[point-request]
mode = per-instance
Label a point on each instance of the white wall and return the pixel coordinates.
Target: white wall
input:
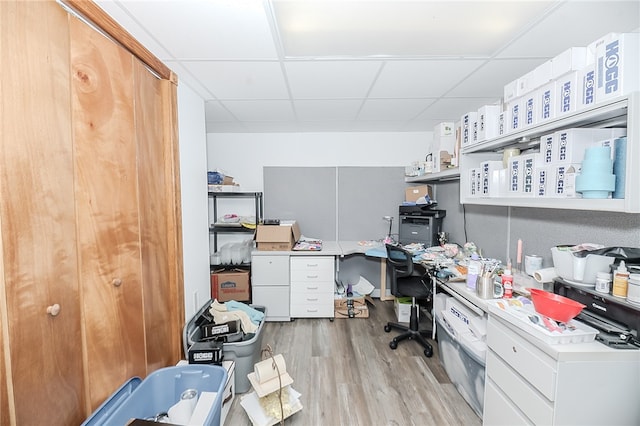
(242, 155)
(193, 183)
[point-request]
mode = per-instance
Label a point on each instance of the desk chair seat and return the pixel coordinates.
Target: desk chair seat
(404, 283)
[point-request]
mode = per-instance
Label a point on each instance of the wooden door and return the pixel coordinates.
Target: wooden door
(107, 210)
(43, 352)
(155, 179)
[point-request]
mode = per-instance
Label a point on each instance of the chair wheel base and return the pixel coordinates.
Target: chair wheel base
(393, 344)
(387, 328)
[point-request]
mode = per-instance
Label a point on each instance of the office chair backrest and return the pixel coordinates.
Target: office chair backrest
(400, 261)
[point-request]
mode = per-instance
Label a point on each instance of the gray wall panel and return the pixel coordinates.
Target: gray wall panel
(306, 194)
(541, 229)
(365, 196)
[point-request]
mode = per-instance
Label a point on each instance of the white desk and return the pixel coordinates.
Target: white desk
(371, 250)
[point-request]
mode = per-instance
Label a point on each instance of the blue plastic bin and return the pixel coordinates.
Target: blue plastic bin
(158, 392)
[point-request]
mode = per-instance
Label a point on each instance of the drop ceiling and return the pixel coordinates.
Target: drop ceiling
(361, 65)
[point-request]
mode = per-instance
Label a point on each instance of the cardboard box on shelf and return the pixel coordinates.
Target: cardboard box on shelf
(360, 308)
(412, 193)
(277, 237)
(229, 285)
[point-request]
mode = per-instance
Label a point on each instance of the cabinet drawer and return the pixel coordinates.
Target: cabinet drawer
(535, 366)
(312, 310)
(521, 393)
(312, 263)
(269, 270)
(319, 275)
(311, 297)
(324, 287)
(499, 410)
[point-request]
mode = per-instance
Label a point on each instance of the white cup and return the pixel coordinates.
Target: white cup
(532, 263)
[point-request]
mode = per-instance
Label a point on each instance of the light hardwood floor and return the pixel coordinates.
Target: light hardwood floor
(348, 375)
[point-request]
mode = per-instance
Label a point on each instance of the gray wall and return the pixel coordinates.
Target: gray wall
(496, 230)
(348, 203)
(335, 203)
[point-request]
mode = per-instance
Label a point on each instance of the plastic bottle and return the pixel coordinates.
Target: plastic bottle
(621, 281)
(473, 272)
(507, 284)
(603, 282)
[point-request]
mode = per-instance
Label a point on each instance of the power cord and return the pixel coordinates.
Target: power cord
(274, 365)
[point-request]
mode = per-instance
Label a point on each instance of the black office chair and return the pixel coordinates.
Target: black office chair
(405, 284)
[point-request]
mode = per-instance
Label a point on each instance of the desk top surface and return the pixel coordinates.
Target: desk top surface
(333, 248)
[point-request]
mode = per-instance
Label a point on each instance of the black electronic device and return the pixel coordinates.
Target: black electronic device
(420, 224)
(617, 321)
(271, 222)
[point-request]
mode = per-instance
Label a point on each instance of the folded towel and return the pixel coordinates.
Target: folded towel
(255, 315)
(221, 315)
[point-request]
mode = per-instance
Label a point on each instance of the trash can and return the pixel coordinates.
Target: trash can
(245, 353)
(145, 399)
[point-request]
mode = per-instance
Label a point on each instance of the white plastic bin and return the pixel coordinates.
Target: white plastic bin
(463, 357)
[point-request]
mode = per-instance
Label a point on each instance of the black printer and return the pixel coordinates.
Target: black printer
(420, 223)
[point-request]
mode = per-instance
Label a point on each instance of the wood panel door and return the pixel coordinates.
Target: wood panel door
(107, 211)
(43, 376)
(155, 179)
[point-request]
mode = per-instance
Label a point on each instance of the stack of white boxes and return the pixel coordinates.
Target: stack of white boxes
(578, 78)
(561, 158)
(444, 143)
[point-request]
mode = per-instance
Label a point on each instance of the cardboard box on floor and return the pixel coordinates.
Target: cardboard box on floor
(230, 285)
(412, 193)
(361, 310)
(277, 237)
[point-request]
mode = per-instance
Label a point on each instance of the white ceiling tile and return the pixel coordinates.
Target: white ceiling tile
(318, 110)
(392, 109)
(198, 29)
(241, 80)
(331, 79)
(215, 112)
(260, 110)
(117, 10)
(575, 23)
(361, 65)
(420, 79)
(393, 28)
(451, 109)
(491, 78)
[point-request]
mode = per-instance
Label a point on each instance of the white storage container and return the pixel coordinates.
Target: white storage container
(462, 355)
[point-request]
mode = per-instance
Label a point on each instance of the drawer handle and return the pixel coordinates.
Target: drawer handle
(312, 300)
(513, 348)
(312, 310)
(312, 276)
(312, 265)
(312, 288)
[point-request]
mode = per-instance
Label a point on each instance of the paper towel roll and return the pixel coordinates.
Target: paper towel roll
(545, 275)
(265, 371)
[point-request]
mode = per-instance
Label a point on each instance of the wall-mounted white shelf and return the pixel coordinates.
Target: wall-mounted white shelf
(619, 112)
(449, 174)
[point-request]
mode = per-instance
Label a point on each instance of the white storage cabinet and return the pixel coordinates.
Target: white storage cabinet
(312, 286)
(529, 382)
(270, 285)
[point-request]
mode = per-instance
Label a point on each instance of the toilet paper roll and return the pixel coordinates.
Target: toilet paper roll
(545, 275)
(180, 413)
(265, 370)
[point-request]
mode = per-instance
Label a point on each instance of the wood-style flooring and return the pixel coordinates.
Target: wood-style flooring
(348, 375)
